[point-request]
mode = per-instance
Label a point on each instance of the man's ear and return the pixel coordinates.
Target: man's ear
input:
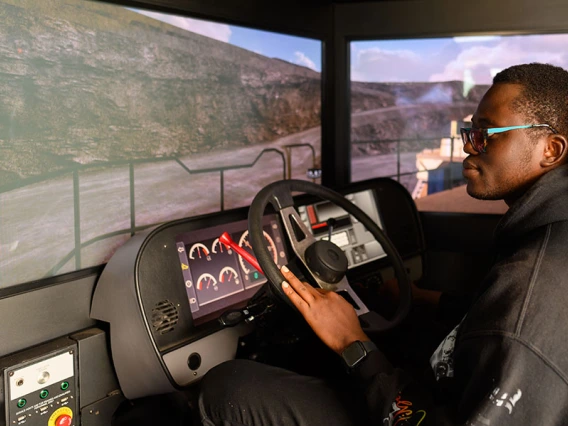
(555, 151)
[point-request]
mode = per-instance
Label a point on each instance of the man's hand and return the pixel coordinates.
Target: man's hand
(331, 317)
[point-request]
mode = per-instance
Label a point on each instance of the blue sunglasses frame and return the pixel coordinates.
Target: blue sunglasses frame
(481, 146)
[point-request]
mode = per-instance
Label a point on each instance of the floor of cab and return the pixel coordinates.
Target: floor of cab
(175, 409)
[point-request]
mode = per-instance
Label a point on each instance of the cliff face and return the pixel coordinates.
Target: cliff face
(84, 82)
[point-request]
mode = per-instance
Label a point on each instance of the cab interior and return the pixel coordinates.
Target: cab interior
(123, 336)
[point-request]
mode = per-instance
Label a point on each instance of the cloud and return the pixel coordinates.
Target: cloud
(472, 59)
(475, 39)
(221, 32)
(376, 64)
(301, 59)
(482, 62)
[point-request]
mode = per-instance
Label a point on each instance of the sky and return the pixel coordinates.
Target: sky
(474, 60)
(297, 50)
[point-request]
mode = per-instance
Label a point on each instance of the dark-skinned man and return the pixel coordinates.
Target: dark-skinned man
(505, 363)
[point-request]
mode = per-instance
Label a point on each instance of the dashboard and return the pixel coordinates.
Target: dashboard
(165, 290)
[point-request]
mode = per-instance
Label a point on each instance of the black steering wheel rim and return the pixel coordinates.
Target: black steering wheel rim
(279, 195)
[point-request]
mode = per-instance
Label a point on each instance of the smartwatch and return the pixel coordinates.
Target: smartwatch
(356, 352)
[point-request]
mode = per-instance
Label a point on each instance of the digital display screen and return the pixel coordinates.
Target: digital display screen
(215, 276)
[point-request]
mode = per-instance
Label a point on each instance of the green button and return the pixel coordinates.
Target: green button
(21, 402)
(255, 275)
(64, 385)
(44, 394)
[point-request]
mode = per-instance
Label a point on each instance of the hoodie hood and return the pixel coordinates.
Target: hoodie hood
(544, 203)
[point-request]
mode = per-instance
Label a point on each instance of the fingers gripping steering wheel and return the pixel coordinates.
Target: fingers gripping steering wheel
(325, 262)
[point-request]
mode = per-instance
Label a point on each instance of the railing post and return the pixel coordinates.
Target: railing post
(451, 177)
(77, 219)
(398, 160)
(132, 201)
(288, 151)
(222, 190)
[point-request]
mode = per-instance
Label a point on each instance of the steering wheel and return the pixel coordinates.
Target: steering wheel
(323, 260)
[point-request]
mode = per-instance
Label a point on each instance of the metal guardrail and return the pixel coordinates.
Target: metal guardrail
(288, 149)
(75, 170)
(398, 174)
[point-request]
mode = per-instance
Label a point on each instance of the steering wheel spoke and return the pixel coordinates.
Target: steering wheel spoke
(298, 233)
(344, 289)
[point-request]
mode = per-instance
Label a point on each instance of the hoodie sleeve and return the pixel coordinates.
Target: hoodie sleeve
(498, 381)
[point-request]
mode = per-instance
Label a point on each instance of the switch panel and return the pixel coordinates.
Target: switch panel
(40, 385)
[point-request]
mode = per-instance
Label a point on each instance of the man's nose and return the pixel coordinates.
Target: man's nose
(468, 149)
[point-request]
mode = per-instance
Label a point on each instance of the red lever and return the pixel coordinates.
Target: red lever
(226, 239)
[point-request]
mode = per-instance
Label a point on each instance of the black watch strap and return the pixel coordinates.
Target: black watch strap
(356, 352)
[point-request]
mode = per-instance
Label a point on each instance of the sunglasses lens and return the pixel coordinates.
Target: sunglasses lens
(476, 137)
(464, 135)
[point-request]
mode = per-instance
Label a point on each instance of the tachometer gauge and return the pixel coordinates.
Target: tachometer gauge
(199, 251)
(229, 275)
(206, 282)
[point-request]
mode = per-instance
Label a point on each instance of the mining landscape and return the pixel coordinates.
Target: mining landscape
(89, 87)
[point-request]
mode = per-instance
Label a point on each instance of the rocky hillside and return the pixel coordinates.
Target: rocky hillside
(409, 112)
(83, 82)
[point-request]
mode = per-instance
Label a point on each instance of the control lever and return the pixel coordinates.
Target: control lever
(226, 239)
(330, 224)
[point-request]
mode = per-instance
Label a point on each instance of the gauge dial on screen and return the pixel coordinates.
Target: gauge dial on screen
(244, 242)
(251, 276)
(228, 275)
(199, 251)
(206, 282)
(218, 248)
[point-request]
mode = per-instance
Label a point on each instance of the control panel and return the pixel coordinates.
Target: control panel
(40, 386)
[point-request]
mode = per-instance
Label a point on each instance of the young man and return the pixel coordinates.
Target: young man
(505, 363)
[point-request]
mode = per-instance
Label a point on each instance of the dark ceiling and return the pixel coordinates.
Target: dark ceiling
(329, 2)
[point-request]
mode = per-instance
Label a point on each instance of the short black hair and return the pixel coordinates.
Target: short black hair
(544, 98)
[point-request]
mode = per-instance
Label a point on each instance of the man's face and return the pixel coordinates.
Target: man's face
(512, 161)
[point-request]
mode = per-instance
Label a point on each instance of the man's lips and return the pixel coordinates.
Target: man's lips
(469, 169)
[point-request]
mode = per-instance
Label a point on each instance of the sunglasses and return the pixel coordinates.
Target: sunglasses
(478, 137)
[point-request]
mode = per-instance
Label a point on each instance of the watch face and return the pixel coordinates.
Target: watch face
(353, 354)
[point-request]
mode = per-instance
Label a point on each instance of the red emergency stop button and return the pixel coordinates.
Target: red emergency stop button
(64, 420)
(63, 416)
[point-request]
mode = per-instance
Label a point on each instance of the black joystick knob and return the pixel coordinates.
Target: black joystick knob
(327, 261)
